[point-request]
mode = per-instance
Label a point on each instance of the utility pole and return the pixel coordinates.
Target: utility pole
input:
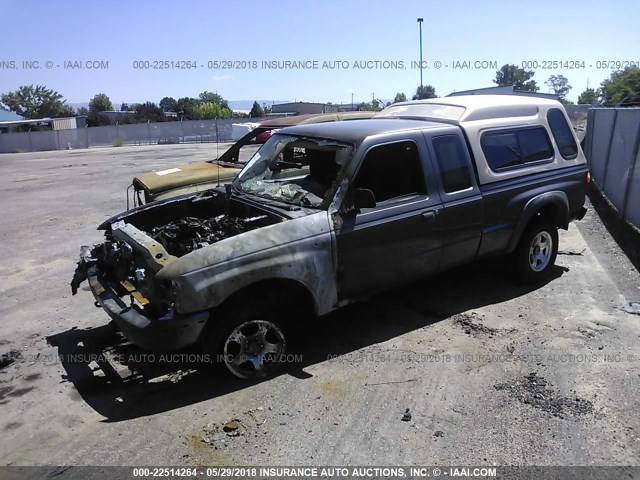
(420, 24)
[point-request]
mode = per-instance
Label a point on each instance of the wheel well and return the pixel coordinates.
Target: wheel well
(278, 290)
(552, 212)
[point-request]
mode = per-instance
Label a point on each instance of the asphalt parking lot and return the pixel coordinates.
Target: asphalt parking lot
(492, 373)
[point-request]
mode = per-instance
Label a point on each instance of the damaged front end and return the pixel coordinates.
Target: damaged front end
(122, 270)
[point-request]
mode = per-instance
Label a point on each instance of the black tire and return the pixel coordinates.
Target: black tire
(534, 257)
(249, 339)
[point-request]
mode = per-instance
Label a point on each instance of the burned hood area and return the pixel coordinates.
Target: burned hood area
(204, 206)
(139, 242)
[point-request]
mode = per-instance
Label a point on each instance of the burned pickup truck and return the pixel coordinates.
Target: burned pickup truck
(323, 215)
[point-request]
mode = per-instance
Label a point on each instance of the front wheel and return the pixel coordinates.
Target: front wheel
(249, 340)
(535, 255)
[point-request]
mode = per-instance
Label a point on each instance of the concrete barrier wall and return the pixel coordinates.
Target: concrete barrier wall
(611, 147)
(191, 131)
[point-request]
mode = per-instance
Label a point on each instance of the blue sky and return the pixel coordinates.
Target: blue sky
(121, 32)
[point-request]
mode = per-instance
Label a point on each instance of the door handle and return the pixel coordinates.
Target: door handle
(429, 216)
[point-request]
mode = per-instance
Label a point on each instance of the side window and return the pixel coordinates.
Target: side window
(562, 134)
(501, 149)
(504, 149)
(534, 145)
(391, 171)
(453, 164)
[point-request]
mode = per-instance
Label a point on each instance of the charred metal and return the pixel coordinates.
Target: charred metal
(192, 233)
(141, 242)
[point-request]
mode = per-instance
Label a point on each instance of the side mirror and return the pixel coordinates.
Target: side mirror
(363, 198)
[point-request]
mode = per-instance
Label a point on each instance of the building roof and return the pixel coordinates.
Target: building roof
(6, 116)
(37, 121)
(26, 122)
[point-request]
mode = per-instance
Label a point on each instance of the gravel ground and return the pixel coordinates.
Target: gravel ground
(462, 368)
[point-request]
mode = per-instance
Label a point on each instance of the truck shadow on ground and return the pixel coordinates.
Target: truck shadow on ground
(122, 382)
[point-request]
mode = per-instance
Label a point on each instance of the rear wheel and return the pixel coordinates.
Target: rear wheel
(535, 255)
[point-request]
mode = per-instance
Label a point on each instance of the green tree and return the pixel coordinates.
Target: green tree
(125, 107)
(186, 108)
(425, 91)
(96, 119)
(212, 110)
(400, 97)
(518, 77)
(256, 110)
(560, 85)
(82, 111)
(100, 103)
(149, 112)
(588, 97)
(267, 108)
(210, 97)
(378, 105)
(36, 102)
(168, 104)
(622, 87)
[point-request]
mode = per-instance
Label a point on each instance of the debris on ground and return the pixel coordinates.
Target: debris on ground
(8, 358)
(532, 390)
(367, 384)
(438, 433)
(221, 435)
(231, 426)
(631, 307)
(570, 252)
(470, 324)
(406, 417)
(172, 377)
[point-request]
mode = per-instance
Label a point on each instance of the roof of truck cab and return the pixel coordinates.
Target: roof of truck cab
(467, 108)
(355, 131)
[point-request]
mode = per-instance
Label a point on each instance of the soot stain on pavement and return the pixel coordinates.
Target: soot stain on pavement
(8, 358)
(470, 324)
(533, 390)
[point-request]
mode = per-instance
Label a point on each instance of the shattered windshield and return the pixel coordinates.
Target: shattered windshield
(296, 170)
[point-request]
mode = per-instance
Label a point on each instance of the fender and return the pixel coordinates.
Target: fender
(298, 250)
(558, 200)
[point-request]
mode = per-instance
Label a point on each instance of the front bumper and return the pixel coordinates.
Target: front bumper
(169, 332)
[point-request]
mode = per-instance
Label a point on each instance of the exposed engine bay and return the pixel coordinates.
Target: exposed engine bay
(191, 233)
(142, 241)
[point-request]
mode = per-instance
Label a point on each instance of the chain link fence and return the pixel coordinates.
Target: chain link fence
(190, 131)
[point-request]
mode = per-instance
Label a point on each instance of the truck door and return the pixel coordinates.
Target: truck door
(462, 213)
(400, 239)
